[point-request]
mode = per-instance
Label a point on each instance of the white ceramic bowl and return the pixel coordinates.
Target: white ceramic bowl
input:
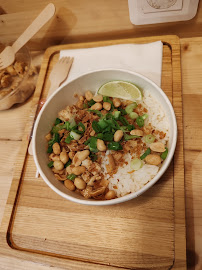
(65, 96)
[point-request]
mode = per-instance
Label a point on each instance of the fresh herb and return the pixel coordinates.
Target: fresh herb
(93, 157)
(123, 121)
(82, 126)
(130, 127)
(117, 114)
(102, 123)
(50, 164)
(140, 121)
(57, 121)
(50, 149)
(130, 107)
(123, 112)
(114, 146)
(93, 144)
(56, 138)
(108, 137)
(71, 176)
(87, 142)
(149, 138)
(144, 116)
(130, 137)
(91, 103)
(146, 153)
(100, 136)
(164, 154)
(96, 112)
(96, 127)
(68, 163)
(85, 105)
(68, 139)
(72, 124)
(133, 115)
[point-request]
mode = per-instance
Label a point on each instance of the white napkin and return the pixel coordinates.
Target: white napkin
(145, 59)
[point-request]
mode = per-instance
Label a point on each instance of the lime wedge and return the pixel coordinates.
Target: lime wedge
(121, 89)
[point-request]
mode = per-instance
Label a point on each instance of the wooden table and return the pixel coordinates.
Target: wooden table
(78, 22)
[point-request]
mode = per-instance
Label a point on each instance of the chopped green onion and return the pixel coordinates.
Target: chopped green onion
(123, 120)
(50, 164)
(140, 121)
(93, 144)
(146, 153)
(91, 103)
(56, 138)
(85, 106)
(57, 121)
(50, 149)
(68, 163)
(130, 127)
(133, 115)
(57, 128)
(71, 176)
(96, 127)
(87, 142)
(144, 116)
(82, 126)
(96, 112)
(68, 139)
(75, 135)
(117, 115)
(136, 164)
(93, 157)
(130, 107)
(130, 137)
(114, 146)
(100, 136)
(164, 154)
(72, 123)
(149, 138)
(67, 125)
(124, 128)
(108, 137)
(102, 124)
(123, 112)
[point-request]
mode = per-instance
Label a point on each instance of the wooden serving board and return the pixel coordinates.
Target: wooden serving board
(145, 233)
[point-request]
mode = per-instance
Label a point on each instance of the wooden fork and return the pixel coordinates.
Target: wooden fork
(57, 76)
(7, 56)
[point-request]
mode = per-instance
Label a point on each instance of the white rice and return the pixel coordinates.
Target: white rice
(124, 182)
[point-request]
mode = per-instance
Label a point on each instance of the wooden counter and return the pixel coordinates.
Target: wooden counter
(78, 22)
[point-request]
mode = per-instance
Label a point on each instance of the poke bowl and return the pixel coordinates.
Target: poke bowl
(105, 137)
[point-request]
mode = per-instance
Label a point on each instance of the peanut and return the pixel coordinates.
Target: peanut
(116, 102)
(78, 170)
(64, 157)
(153, 159)
(56, 148)
(98, 98)
(97, 106)
(79, 183)
(107, 106)
(69, 184)
(101, 145)
(137, 132)
(118, 135)
(157, 147)
(110, 195)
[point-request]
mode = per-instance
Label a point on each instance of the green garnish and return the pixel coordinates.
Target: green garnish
(50, 164)
(91, 103)
(108, 137)
(93, 157)
(149, 138)
(117, 114)
(72, 124)
(96, 127)
(130, 127)
(71, 176)
(56, 138)
(114, 146)
(123, 120)
(85, 106)
(100, 136)
(68, 139)
(50, 149)
(133, 115)
(144, 116)
(96, 112)
(68, 163)
(140, 121)
(164, 154)
(130, 137)
(93, 144)
(82, 126)
(131, 107)
(146, 153)
(123, 112)
(102, 124)
(57, 121)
